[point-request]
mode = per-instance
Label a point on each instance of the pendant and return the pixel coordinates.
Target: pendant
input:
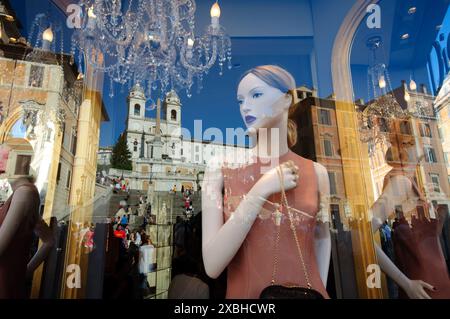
(277, 215)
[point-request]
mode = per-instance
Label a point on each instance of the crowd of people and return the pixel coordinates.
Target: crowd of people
(136, 258)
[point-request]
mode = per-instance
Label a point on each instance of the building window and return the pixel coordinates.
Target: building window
(134, 148)
(425, 130)
(173, 115)
(137, 110)
(63, 132)
(446, 157)
(324, 117)
(181, 152)
(69, 175)
(384, 125)
(58, 174)
(22, 165)
(327, 148)
(405, 128)
(332, 178)
(334, 208)
(73, 148)
(435, 181)
(36, 76)
(196, 158)
(430, 155)
(196, 148)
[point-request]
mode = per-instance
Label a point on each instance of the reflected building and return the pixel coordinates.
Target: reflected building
(39, 103)
(442, 109)
(428, 134)
(318, 140)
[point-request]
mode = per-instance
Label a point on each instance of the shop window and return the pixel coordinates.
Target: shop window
(425, 130)
(324, 117)
(435, 181)
(430, 155)
(137, 110)
(327, 148)
(332, 178)
(36, 76)
(22, 165)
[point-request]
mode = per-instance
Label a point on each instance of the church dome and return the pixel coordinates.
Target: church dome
(137, 92)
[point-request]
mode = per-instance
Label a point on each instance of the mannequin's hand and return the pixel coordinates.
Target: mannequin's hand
(269, 183)
(416, 289)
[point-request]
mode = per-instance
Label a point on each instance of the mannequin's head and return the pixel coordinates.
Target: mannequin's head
(265, 94)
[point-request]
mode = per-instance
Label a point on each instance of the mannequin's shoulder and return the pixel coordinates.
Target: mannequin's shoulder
(320, 170)
(322, 178)
(26, 191)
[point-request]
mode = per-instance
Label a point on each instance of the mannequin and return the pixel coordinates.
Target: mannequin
(423, 273)
(19, 218)
(239, 226)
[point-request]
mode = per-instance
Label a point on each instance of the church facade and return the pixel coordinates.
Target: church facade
(162, 158)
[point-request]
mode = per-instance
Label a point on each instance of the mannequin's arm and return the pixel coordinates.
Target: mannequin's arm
(413, 288)
(17, 214)
(322, 239)
(45, 234)
(222, 240)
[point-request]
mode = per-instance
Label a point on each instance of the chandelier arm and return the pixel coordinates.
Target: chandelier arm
(199, 68)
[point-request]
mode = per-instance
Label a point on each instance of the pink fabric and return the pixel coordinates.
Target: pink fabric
(250, 271)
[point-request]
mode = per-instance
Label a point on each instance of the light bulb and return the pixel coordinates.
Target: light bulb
(412, 85)
(190, 43)
(215, 11)
(91, 13)
(407, 97)
(382, 82)
(48, 35)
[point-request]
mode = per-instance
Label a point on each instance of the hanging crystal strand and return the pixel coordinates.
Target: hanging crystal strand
(199, 83)
(111, 88)
(229, 58)
(62, 46)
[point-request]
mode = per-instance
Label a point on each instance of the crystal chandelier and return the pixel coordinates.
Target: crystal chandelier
(376, 118)
(151, 42)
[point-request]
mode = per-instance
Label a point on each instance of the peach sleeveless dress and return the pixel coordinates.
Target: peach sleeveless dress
(251, 269)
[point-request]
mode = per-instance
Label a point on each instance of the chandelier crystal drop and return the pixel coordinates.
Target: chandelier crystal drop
(150, 42)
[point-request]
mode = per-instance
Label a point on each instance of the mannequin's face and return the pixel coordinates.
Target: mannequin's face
(261, 105)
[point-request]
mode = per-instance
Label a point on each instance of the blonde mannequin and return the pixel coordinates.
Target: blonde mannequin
(265, 96)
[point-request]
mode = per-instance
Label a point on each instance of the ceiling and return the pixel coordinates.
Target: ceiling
(396, 21)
